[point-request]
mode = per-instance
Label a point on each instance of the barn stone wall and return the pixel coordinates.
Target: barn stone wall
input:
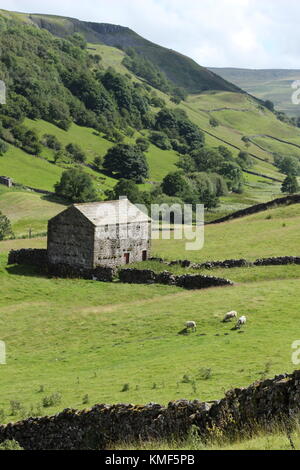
(113, 242)
(71, 239)
(241, 410)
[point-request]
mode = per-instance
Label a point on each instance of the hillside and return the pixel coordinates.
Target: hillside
(269, 84)
(87, 121)
(181, 70)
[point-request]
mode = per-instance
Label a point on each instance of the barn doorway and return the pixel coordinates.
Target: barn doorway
(127, 258)
(144, 255)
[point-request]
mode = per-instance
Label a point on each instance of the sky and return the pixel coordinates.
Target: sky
(215, 33)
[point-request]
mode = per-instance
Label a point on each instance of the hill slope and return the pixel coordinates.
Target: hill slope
(274, 85)
(181, 70)
(238, 114)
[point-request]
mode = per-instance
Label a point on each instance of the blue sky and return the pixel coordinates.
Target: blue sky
(220, 33)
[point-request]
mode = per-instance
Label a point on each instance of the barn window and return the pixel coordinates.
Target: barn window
(138, 228)
(106, 228)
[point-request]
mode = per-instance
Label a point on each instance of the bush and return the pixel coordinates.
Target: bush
(51, 141)
(5, 227)
(213, 122)
(143, 144)
(76, 186)
(3, 147)
(160, 140)
(76, 153)
(290, 185)
(98, 162)
(52, 400)
(10, 445)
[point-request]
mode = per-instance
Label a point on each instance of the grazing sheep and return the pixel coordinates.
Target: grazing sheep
(241, 321)
(229, 316)
(191, 325)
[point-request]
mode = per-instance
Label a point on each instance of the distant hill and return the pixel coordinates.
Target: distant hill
(181, 70)
(274, 85)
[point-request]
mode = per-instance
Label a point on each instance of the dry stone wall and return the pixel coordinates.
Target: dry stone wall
(281, 201)
(187, 281)
(242, 409)
(232, 263)
(33, 257)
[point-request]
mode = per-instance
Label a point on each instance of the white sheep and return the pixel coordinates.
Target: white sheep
(241, 321)
(191, 325)
(230, 315)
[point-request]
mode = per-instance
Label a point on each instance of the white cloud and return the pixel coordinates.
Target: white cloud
(240, 33)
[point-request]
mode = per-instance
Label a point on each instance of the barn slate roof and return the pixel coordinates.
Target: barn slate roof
(121, 211)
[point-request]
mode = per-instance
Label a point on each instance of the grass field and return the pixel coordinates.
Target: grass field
(262, 441)
(27, 210)
(97, 337)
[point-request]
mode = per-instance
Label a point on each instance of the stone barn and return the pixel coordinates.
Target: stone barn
(110, 233)
(6, 181)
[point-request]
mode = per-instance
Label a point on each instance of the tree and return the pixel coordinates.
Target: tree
(76, 186)
(3, 147)
(219, 183)
(174, 184)
(98, 162)
(5, 227)
(126, 161)
(269, 105)
(233, 175)
(213, 122)
(288, 165)
(244, 160)
(51, 141)
(186, 163)
(207, 159)
(127, 188)
(225, 152)
(160, 140)
(59, 156)
(142, 143)
(290, 185)
(76, 153)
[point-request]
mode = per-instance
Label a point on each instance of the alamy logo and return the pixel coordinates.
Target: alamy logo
(168, 221)
(296, 94)
(2, 92)
(2, 353)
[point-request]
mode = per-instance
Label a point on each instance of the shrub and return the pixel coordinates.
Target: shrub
(76, 153)
(3, 147)
(85, 399)
(160, 140)
(10, 445)
(15, 407)
(51, 141)
(213, 122)
(52, 400)
(5, 227)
